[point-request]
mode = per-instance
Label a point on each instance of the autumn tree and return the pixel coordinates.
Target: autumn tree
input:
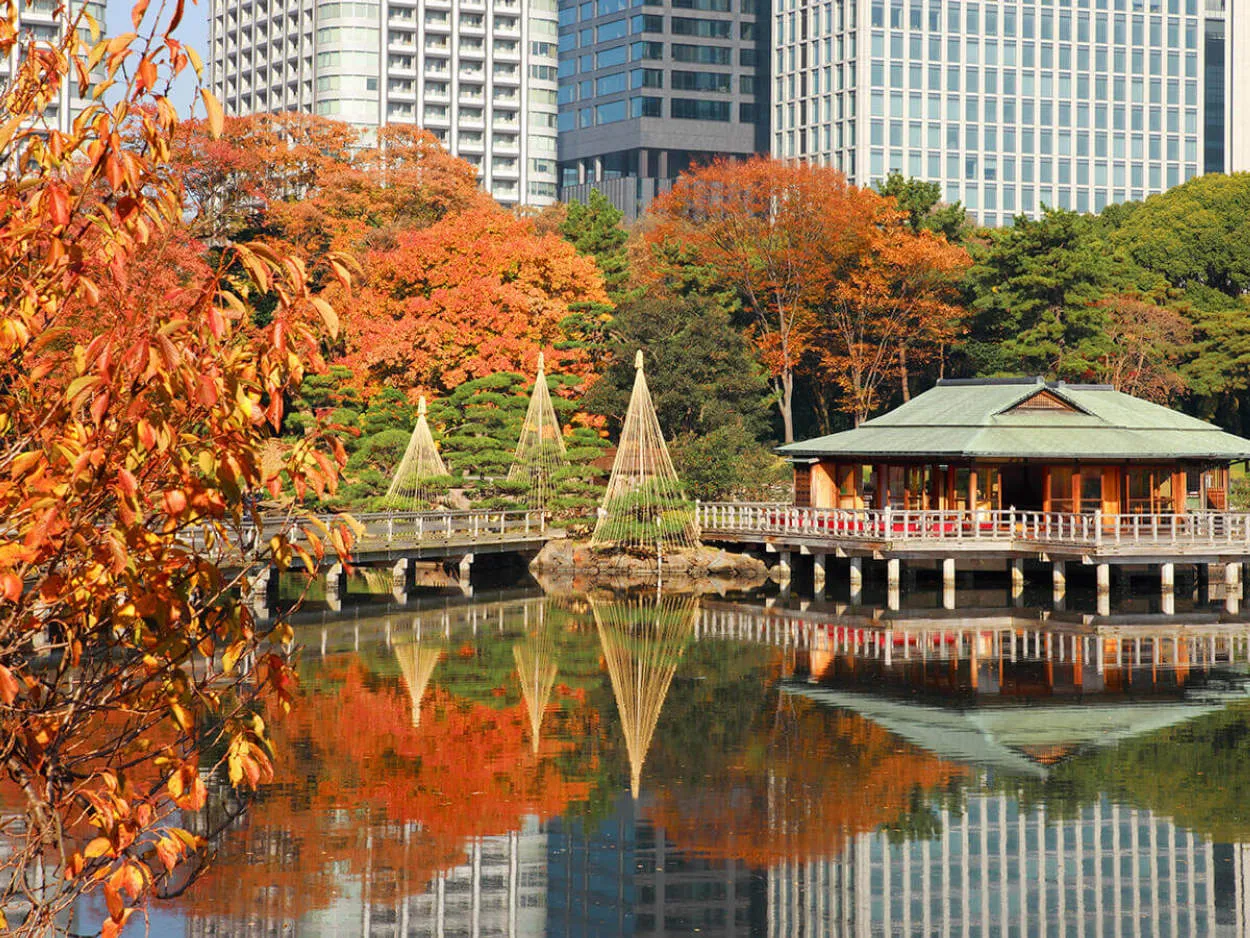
(135, 400)
(477, 293)
(1146, 343)
(898, 305)
(779, 233)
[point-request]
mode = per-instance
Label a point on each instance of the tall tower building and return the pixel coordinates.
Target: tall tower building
(479, 74)
(1011, 104)
(651, 87)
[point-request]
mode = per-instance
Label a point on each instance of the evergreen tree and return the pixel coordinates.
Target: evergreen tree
(922, 202)
(701, 371)
(594, 228)
(1034, 292)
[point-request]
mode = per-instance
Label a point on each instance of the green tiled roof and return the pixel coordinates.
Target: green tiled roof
(977, 419)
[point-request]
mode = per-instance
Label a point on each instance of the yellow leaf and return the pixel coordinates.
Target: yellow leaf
(212, 108)
(328, 316)
(98, 848)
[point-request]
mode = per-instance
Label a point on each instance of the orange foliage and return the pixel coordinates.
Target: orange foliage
(819, 777)
(901, 296)
(476, 293)
(781, 233)
(361, 771)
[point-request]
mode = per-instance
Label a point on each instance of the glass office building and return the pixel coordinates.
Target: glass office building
(1008, 105)
(648, 89)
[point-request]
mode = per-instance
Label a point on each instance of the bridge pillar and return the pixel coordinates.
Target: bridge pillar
(1167, 588)
(336, 586)
(264, 592)
(402, 580)
(465, 569)
(1059, 582)
(857, 580)
(819, 574)
(1104, 589)
(1016, 567)
(781, 572)
(893, 571)
(1232, 587)
(948, 583)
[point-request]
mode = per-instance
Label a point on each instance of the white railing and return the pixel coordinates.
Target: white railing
(414, 528)
(1095, 529)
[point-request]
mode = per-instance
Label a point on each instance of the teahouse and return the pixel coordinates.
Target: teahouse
(1021, 443)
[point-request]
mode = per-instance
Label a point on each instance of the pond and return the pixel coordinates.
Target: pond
(521, 764)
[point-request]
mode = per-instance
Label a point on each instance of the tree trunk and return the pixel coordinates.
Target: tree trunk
(903, 378)
(787, 403)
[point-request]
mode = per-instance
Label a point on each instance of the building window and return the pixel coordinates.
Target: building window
(704, 29)
(646, 78)
(702, 55)
(691, 109)
(702, 81)
(645, 107)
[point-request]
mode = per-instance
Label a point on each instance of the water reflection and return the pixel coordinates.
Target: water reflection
(477, 768)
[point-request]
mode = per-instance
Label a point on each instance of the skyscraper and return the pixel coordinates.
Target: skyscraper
(479, 74)
(650, 88)
(1011, 105)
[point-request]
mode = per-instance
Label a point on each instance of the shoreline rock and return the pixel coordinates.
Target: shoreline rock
(703, 569)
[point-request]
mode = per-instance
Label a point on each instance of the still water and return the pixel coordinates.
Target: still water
(525, 765)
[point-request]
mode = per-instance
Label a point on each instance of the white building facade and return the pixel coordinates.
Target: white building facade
(45, 21)
(1012, 104)
(479, 74)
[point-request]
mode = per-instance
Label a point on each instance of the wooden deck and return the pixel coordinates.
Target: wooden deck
(1093, 538)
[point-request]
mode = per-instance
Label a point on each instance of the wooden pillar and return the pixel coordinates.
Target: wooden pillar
(950, 488)
(882, 486)
(1046, 488)
(972, 488)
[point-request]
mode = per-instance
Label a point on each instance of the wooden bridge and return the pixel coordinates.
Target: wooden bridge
(951, 538)
(398, 541)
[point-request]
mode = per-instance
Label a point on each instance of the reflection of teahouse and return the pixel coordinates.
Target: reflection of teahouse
(1025, 444)
(643, 642)
(416, 665)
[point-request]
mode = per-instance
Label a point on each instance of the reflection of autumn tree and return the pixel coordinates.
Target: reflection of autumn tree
(370, 793)
(799, 785)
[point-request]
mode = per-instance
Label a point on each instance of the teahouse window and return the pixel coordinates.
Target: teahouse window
(1061, 488)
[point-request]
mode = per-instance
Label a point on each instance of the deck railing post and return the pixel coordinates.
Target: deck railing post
(1098, 527)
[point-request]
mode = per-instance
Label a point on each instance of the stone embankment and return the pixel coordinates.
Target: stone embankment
(702, 569)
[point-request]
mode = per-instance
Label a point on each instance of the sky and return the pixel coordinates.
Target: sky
(193, 31)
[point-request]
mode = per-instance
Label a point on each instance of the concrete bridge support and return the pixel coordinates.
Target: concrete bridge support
(857, 580)
(1059, 582)
(948, 583)
(465, 569)
(1104, 589)
(1016, 568)
(1232, 587)
(336, 586)
(403, 580)
(263, 588)
(819, 574)
(1167, 588)
(893, 576)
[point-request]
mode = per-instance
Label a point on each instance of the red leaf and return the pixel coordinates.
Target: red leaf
(8, 685)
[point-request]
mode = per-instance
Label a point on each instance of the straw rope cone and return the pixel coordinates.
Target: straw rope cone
(416, 667)
(643, 642)
(408, 490)
(644, 507)
(540, 449)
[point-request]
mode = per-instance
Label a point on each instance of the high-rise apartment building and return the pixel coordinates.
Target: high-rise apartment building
(650, 87)
(479, 74)
(1012, 104)
(45, 21)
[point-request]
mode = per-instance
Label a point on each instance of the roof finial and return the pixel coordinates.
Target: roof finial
(638, 361)
(421, 406)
